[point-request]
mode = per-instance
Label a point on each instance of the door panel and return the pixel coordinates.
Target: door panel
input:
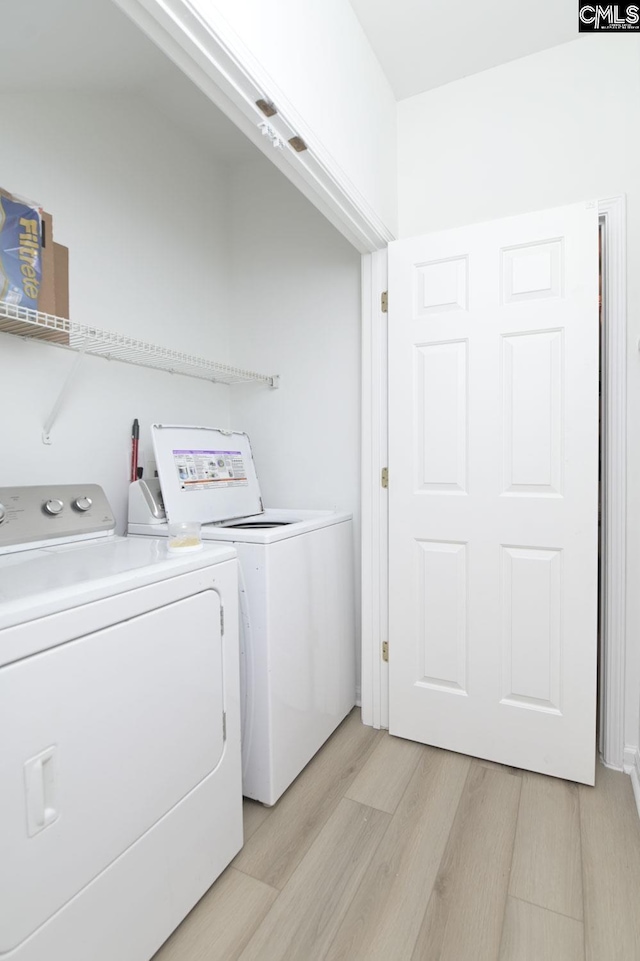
(441, 416)
(493, 492)
(532, 446)
(442, 580)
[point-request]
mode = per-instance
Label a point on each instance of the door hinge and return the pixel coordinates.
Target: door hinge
(222, 620)
(385, 651)
(384, 477)
(384, 301)
(224, 725)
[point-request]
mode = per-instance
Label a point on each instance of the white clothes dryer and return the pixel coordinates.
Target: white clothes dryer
(297, 609)
(120, 768)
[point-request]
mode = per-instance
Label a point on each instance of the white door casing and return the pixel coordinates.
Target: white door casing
(493, 499)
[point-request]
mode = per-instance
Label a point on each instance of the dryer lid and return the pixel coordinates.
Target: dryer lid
(206, 474)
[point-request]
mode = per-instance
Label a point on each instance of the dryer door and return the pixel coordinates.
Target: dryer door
(101, 737)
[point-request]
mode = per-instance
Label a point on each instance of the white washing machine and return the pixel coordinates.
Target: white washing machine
(120, 768)
(297, 609)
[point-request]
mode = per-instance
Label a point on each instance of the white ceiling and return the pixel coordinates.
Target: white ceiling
(426, 43)
(90, 45)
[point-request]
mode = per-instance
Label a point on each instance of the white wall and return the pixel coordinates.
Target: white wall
(144, 213)
(553, 128)
(317, 56)
(296, 312)
(169, 248)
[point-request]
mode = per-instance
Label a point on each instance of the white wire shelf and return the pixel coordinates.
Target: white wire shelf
(104, 343)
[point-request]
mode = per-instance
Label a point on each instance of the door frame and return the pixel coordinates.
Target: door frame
(375, 560)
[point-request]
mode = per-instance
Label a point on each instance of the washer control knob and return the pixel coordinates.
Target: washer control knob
(82, 503)
(3, 513)
(53, 507)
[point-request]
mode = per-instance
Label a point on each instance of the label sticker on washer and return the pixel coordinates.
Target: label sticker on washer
(200, 470)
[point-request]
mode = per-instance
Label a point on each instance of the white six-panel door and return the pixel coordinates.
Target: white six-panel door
(493, 490)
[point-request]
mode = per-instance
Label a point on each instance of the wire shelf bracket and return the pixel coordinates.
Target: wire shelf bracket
(55, 410)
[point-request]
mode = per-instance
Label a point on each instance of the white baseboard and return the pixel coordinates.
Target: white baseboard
(635, 781)
(632, 767)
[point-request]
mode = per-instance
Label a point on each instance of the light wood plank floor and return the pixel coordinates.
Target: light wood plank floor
(386, 850)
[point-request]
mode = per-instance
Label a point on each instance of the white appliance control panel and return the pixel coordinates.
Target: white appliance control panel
(52, 513)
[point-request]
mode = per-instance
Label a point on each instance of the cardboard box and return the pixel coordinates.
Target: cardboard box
(21, 251)
(61, 273)
(28, 275)
(47, 295)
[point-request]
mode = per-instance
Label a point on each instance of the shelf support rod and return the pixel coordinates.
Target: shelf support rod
(55, 410)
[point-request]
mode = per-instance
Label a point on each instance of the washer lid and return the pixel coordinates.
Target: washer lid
(206, 473)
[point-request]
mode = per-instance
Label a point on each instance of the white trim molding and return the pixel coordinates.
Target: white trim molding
(632, 768)
(212, 55)
(614, 439)
(375, 584)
